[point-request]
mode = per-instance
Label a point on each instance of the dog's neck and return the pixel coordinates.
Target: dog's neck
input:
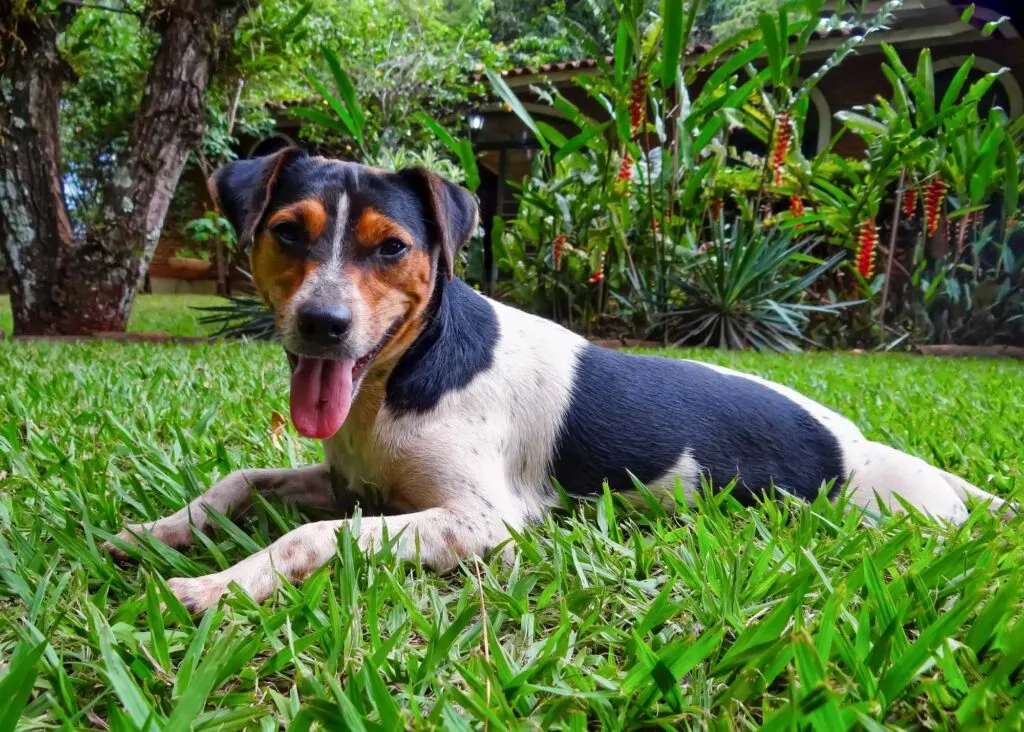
(455, 343)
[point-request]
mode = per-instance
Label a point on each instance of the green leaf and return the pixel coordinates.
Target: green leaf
(16, 684)
(580, 141)
(552, 135)
(300, 15)
(462, 149)
(439, 131)
(908, 663)
(861, 123)
(509, 97)
(347, 90)
(956, 85)
(157, 635)
(669, 666)
(772, 44)
(992, 27)
(120, 679)
(1011, 167)
(622, 52)
(224, 659)
(672, 42)
(467, 156)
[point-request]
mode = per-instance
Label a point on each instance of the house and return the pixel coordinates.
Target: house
(505, 147)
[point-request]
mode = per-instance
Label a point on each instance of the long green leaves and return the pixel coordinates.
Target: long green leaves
(509, 97)
(748, 290)
(672, 40)
(16, 683)
(350, 117)
(462, 149)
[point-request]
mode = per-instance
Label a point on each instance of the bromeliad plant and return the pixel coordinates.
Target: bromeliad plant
(748, 288)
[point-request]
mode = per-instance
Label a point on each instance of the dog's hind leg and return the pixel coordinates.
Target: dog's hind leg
(310, 486)
(968, 491)
(879, 472)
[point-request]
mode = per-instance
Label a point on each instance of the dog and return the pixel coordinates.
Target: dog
(456, 414)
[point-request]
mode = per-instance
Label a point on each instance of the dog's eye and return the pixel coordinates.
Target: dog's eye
(392, 248)
(289, 233)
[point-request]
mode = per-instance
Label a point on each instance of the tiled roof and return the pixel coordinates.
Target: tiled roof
(843, 30)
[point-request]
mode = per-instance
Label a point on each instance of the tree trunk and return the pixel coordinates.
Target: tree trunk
(69, 286)
(35, 231)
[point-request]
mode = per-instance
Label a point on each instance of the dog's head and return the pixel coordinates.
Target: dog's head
(348, 257)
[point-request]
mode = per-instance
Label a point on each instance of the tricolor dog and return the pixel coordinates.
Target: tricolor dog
(456, 413)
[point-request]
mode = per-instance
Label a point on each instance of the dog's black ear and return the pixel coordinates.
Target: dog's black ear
(452, 212)
(242, 190)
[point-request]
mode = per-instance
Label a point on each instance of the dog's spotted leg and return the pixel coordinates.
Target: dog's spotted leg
(880, 472)
(310, 486)
(444, 535)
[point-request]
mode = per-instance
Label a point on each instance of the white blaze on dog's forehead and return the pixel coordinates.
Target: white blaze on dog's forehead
(340, 225)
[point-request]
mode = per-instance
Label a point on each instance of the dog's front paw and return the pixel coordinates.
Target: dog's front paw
(198, 593)
(128, 535)
(168, 531)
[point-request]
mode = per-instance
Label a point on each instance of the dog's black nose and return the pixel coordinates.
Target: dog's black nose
(324, 325)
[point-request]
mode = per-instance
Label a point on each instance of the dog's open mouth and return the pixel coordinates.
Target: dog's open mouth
(322, 389)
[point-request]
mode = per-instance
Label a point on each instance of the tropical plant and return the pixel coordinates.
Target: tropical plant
(605, 223)
(748, 287)
(212, 228)
(955, 204)
(241, 317)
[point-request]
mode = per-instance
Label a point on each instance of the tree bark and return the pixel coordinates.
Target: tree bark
(61, 285)
(35, 231)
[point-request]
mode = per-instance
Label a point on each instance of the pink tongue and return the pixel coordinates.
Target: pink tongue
(321, 396)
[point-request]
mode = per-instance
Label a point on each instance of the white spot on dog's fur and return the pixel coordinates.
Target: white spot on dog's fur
(338, 238)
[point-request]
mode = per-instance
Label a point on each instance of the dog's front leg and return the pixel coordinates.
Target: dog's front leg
(444, 536)
(310, 486)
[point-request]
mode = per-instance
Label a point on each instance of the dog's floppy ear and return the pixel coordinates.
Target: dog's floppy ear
(242, 190)
(451, 210)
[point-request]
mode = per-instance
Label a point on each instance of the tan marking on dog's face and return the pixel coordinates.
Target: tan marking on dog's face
(310, 212)
(373, 228)
(278, 274)
(278, 271)
(391, 292)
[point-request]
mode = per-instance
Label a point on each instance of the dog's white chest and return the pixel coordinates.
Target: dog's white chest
(358, 459)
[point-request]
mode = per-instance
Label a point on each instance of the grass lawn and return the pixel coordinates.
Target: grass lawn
(152, 314)
(723, 617)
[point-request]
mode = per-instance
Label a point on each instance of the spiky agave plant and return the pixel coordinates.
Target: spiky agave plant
(747, 288)
(244, 317)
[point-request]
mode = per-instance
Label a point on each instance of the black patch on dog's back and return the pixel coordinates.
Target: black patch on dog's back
(456, 343)
(640, 413)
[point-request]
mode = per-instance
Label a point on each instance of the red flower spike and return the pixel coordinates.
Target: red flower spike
(558, 249)
(796, 206)
(867, 245)
(637, 103)
(717, 204)
(599, 274)
(934, 198)
(781, 146)
(910, 203)
(626, 169)
(796, 209)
